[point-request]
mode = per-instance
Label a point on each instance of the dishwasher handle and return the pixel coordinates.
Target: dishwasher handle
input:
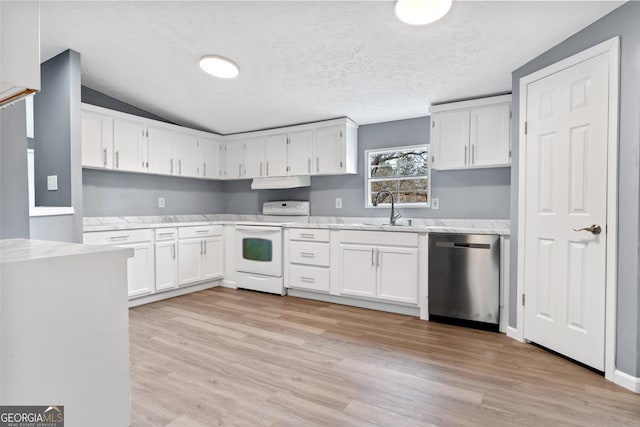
(463, 245)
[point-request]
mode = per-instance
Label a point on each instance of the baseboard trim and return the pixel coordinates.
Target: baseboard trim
(514, 334)
(627, 381)
(172, 293)
(228, 284)
(372, 305)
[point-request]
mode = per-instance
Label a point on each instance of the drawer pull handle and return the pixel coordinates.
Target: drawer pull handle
(119, 237)
(307, 236)
(308, 279)
(166, 234)
(202, 231)
(307, 254)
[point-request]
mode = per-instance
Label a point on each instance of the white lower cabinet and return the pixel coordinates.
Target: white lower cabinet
(371, 269)
(166, 261)
(200, 254)
(140, 270)
(309, 260)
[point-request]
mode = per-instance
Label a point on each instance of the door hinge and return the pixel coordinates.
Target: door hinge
(525, 128)
(340, 134)
(509, 153)
(510, 114)
(433, 124)
(340, 164)
(288, 141)
(523, 300)
(433, 159)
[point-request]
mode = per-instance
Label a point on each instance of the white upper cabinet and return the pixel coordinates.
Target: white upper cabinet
(328, 145)
(19, 50)
(253, 158)
(188, 155)
(490, 135)
(122, 142)
(275, 155)
(210, 152)
(97, 140)
(161, 150)
(129, 145)
(234, 153)
(472, 134)
(300, 152)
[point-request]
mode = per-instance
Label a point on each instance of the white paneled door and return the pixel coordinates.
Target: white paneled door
(566, 191)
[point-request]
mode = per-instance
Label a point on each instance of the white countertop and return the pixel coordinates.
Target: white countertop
(16, 250)
(419, 225)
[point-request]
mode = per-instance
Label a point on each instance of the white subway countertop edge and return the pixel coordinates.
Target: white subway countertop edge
(19, 250)
(500, 227)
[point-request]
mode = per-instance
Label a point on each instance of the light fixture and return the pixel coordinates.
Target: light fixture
(421, 12)
(219, 66)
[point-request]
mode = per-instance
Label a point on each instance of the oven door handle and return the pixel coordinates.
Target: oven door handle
(257, 228)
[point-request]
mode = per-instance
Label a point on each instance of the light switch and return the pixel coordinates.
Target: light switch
(52, 182)
(338, 202)
(435, 203)
(161, 202)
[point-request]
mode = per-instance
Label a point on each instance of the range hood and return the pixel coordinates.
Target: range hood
(280, 182)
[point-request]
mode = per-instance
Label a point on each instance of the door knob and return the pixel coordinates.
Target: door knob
(594, 229)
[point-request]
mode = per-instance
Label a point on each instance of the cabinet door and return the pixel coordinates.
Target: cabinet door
(129, 145)
(328, 150)
(210, 150)
(398, 274)
(234, 152)
(166, 265)
(189, 260)
(300, 153)
(357, 270)
(140, 270)
(450, 138)
(253, 158)
(97, 140)
(160, 142)
(213, 258)
(275, 155)
(490, 135)
(188, 155)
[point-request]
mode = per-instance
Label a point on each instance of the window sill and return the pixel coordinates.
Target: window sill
(51, 211)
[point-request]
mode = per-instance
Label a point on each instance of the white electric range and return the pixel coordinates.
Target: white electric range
(259, 246)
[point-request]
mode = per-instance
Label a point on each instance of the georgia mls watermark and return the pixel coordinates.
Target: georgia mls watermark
(32, 416)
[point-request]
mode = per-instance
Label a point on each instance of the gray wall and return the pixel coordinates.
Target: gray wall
(14, 187)
(93, 97)
(52, 131)
(623, 22)
(480, 193)
(129, 194)
(57, 147)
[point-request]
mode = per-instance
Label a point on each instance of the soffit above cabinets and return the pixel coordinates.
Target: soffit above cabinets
(302, 61)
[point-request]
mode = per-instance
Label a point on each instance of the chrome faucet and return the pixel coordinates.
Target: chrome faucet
(394, 215)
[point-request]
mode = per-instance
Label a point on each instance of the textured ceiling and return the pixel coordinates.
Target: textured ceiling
(302, 61)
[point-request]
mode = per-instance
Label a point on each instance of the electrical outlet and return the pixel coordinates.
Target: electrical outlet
(338, 202)
(161, 202)
(52, 182)
(435, 203)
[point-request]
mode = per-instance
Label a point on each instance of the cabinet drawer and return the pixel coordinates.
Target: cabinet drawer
(309, 234)
(166, 234)
(202, 231)
(305, 277)
(311, 253)
(116, 237)
(375, 238)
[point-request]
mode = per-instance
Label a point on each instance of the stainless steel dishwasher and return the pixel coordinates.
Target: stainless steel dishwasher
(464, 277)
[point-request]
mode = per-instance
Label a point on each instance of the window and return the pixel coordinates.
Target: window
(404, 171)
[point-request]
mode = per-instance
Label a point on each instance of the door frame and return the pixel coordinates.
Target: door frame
(612, 48)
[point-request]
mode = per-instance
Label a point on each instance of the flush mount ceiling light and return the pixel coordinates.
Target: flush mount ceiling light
(421, 12)
(219, 66)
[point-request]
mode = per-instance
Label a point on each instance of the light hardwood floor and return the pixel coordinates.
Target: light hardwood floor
(230, 357)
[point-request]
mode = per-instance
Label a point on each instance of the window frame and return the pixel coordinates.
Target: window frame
(367, 177)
